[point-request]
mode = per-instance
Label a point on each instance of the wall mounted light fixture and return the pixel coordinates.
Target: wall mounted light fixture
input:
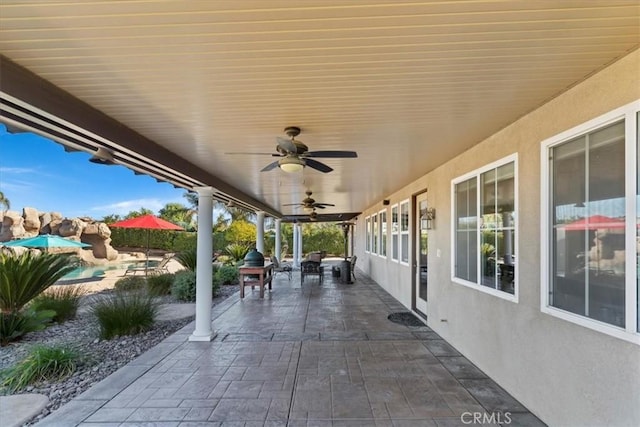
(430, 218)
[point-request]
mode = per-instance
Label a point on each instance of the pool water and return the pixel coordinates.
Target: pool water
(97, 271)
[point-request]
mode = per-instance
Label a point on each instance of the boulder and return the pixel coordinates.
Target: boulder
(54, 225)
(12, 226)
(101, 247)
(98, 228)
(31, 221)
(71, 228)
(56, 215)
(45, 220)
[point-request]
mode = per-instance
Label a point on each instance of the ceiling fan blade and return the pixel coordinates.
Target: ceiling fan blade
(292, 204)
(318, 206)
(270, 166)
(332, 154)
(314, 164)
(287, 145)
(322, 205)
(262, 154)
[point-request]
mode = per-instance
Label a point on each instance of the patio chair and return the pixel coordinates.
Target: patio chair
(157, 269)
(281, 268)
(311, 268)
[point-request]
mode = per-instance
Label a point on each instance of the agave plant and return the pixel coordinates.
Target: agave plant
(237, 251)
(188, 259)
(24, 277)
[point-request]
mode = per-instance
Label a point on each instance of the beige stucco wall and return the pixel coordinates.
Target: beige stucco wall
(566, 374)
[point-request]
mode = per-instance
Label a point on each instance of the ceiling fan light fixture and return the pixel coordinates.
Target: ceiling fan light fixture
(308, 209)
(291, 164)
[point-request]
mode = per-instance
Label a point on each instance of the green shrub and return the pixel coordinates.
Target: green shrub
(188, 259)
(15, 324)
(43, 363)
(64, 300)
(237, 251)
(160, 285)
(130, 283)
(24, 277)
(184, 286)
(228, 275)
(125, 313)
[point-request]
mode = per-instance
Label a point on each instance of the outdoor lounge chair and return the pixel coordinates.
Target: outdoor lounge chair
(156, 269)
(281, 268)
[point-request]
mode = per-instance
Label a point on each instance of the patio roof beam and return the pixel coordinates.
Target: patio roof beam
(41, 99)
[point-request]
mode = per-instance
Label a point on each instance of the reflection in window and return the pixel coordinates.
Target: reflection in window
(374, 232)
(394, 232)
(588, 218)
(485, 233)
(367, 222)
(497, 226)
(404, 232)
(466, 230)
(383, 233)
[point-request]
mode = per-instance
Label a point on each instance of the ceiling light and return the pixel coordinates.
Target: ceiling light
(102, 157)
(291, 164)
(308, 209)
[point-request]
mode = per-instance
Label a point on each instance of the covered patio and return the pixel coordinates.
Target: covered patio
(305, 355)
(435, 97)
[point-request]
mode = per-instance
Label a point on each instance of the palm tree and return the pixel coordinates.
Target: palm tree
(178, 214)
(4, 202)
(236, 213)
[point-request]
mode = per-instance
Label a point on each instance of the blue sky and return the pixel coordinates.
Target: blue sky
(36, 172)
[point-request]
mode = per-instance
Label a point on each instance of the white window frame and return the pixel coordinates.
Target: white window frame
(395, 232)
(629, 114)
(404, 232)
(367, 226)
(513, 158)
(383, 239)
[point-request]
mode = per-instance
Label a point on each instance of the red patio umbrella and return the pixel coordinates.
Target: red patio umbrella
(595, 222)
(148, 222)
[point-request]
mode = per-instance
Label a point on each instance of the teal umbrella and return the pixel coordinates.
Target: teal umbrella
(46, 241)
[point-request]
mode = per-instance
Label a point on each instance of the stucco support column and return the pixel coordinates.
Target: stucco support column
(260, 232)
(278, 248)
(299, 243)
(204, 266)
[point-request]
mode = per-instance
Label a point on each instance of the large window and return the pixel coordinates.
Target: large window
(404, 232)
(395, 230)
(591, 239)
(485, 228)
(382, 220)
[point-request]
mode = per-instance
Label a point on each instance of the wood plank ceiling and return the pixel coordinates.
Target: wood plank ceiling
(408, 85)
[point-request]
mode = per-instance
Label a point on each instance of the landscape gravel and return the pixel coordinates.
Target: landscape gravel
(100, 357)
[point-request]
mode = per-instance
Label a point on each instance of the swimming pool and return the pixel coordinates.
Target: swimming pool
(97, 271)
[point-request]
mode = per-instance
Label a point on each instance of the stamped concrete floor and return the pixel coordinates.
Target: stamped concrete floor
(310, 355)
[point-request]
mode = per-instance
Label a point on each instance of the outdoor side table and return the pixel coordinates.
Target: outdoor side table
(256, 276)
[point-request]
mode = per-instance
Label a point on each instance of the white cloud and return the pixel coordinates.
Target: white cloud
(126, 206)
(17, 171)
(17, 186)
